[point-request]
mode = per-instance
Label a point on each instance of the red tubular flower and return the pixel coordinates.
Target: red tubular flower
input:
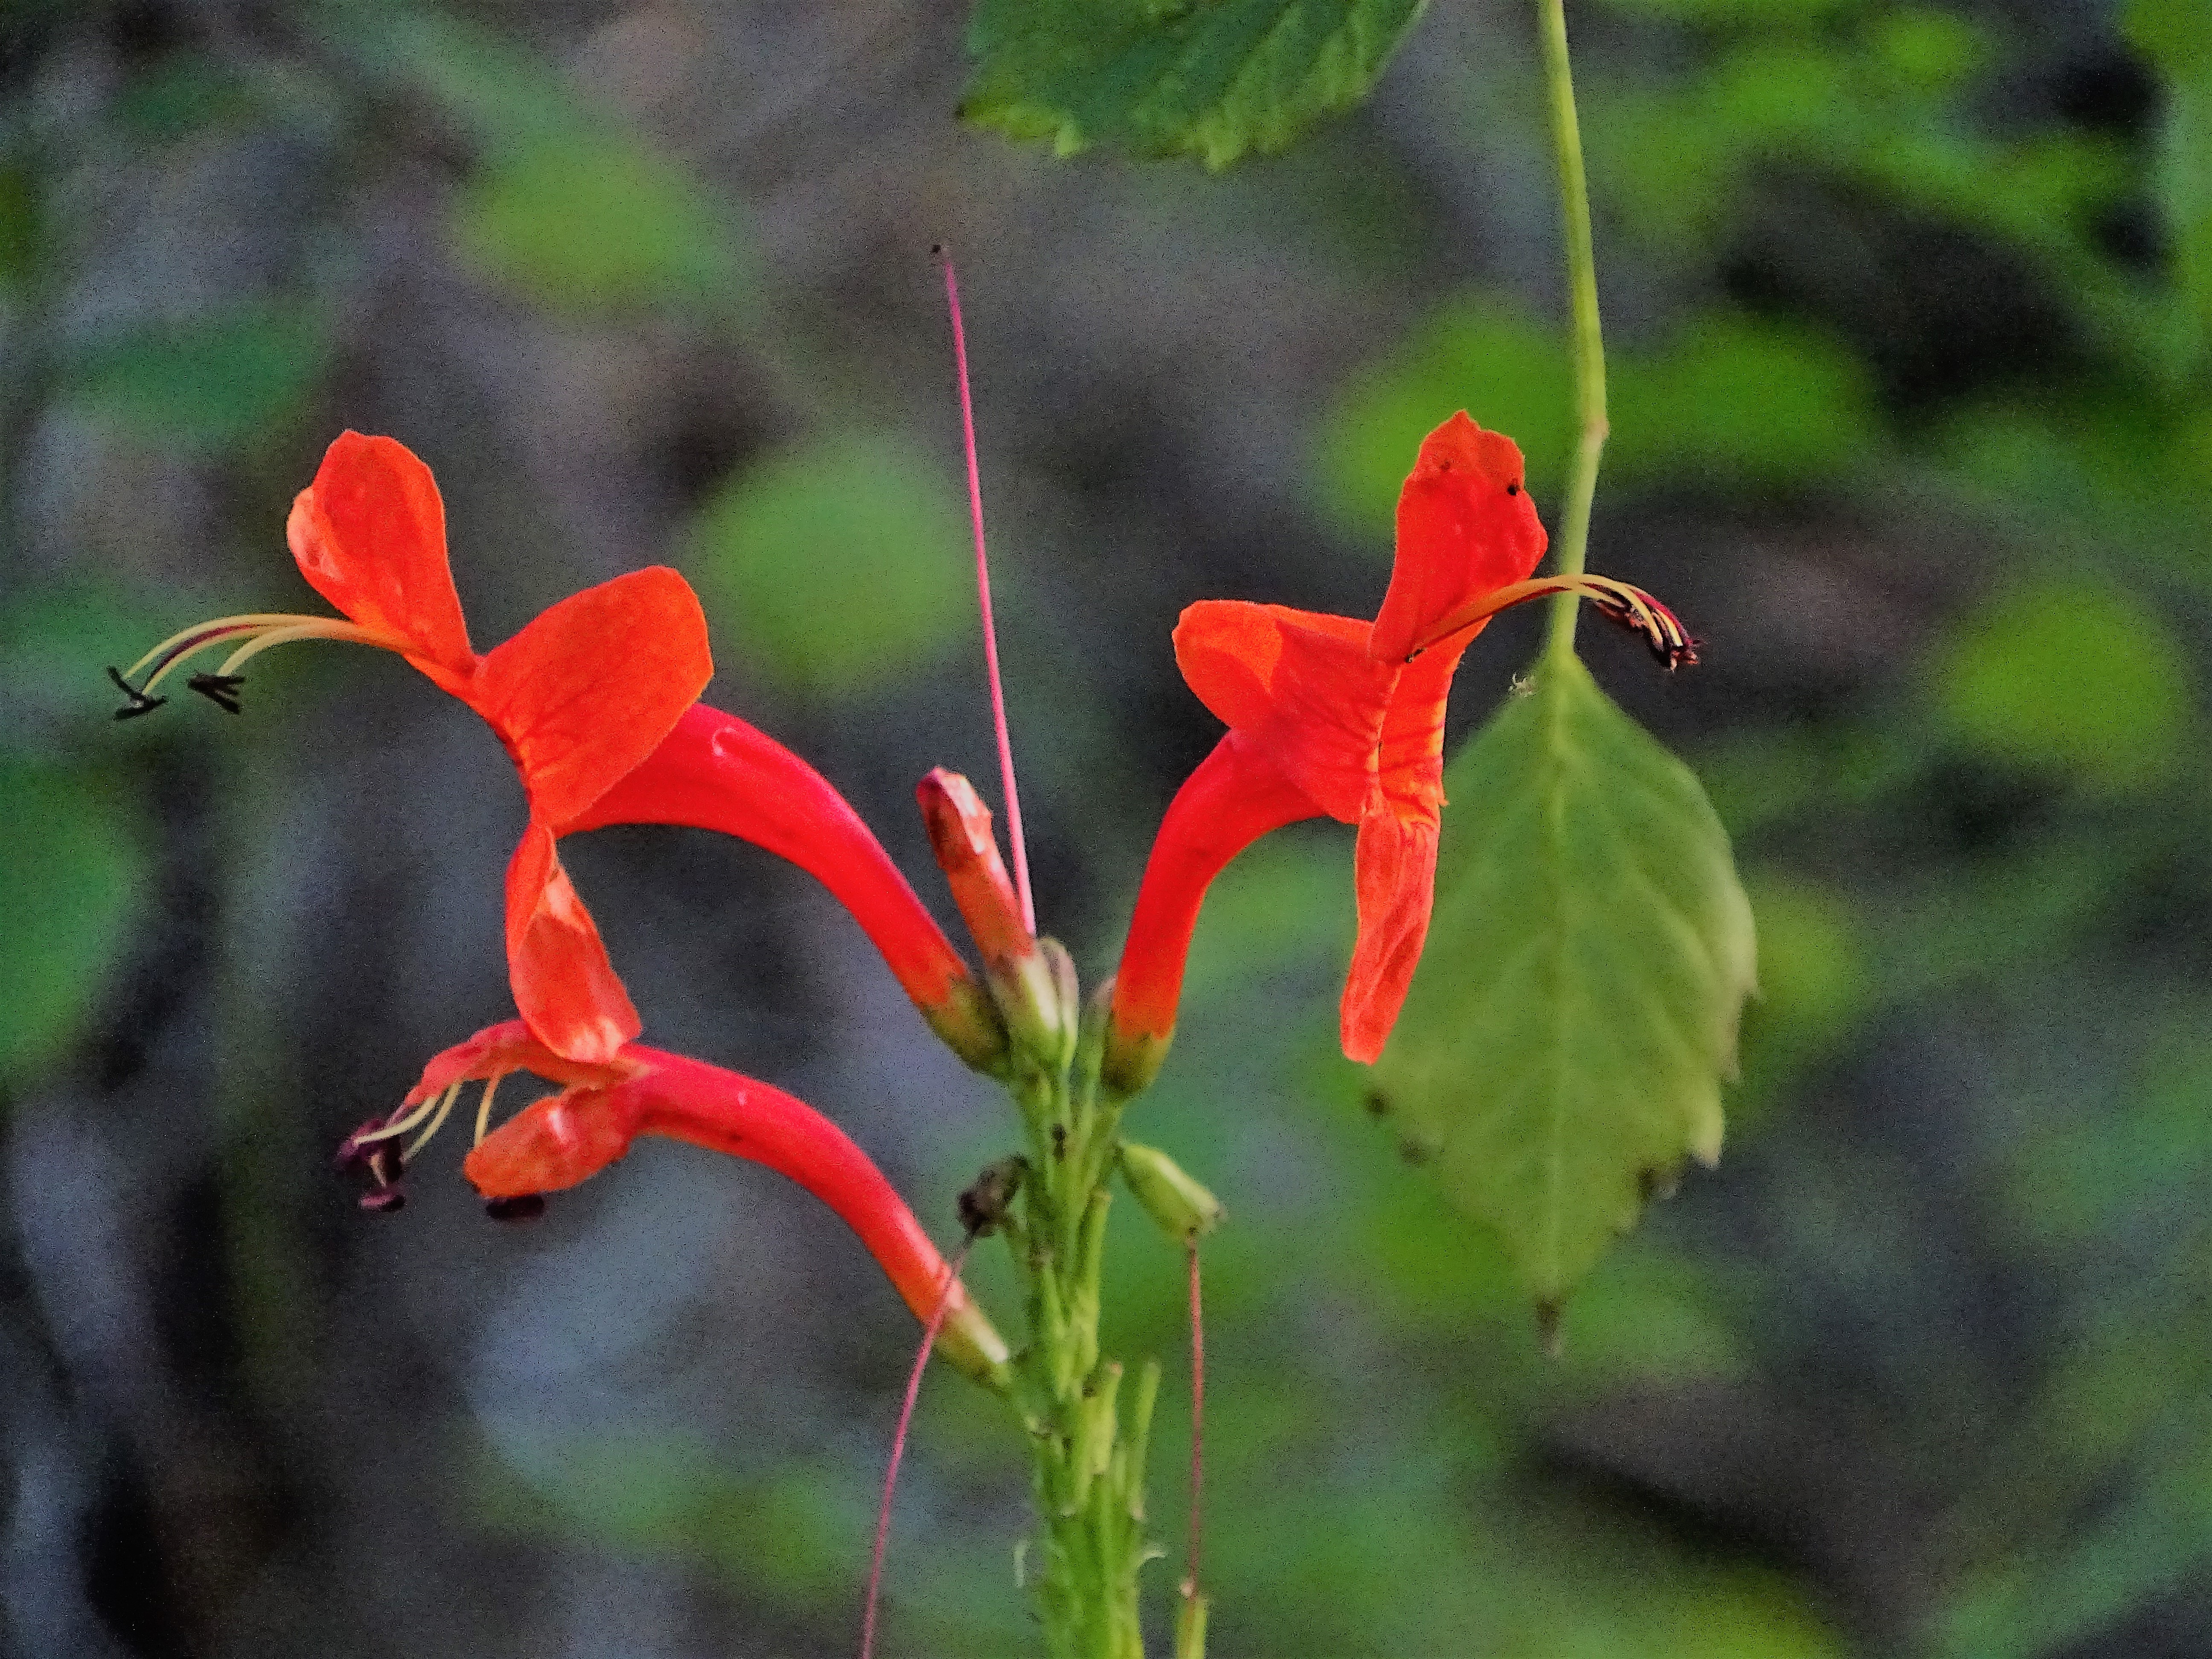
(605, 1105)
(1335, 716)
(715, 772)
(578, 697)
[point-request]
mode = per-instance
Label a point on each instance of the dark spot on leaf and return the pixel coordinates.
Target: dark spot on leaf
(1378, 1104)
(1547, 1329)
(1415, 1151)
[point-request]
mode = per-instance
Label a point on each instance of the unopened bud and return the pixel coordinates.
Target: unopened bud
(1024, 980)
(1185, 1210)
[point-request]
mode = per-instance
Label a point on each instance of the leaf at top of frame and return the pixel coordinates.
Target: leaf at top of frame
(1213, 80)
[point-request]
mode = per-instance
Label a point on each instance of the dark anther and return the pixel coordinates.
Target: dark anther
(1513, 489)
(379, 1160)
(137, 703)
(936, 250)
(1658, 627)
(220, 689)
(984, 1205)
(528, 1207)
(1059, 1141)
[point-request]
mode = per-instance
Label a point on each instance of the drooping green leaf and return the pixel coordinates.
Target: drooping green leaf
(2077, 679)
(1562, 1050)
(1176, 77)
(70, 888)
(838, 564)
(210, 383)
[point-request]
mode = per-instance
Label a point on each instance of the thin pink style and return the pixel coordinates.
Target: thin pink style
(983, 593)
(898, 1447)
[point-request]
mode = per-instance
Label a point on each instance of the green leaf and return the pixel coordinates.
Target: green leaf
(2071, 678)
(1562, 1049)
(840, 564)
(1176, 77)
(212, 383)
(71, 887)
(585, 224)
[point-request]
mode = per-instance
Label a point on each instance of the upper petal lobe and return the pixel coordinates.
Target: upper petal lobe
(1465, 527)
(369, 535)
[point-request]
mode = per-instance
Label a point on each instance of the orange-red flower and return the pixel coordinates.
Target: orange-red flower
(605, 1104)
(578, 697)
(1333, 715)
(595, 701)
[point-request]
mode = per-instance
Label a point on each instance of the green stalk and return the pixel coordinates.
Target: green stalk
(1573, 544)
(1087, 1441)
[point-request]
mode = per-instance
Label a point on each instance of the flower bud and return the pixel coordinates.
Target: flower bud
(1185, 1210)
(1024, 977)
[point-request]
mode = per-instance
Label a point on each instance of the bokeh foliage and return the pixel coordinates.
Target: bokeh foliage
(1960, 1227)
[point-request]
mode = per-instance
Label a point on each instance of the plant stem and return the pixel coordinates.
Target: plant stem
(1573, 544)
(1089, 1464)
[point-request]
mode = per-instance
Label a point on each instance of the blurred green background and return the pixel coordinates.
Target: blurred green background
(1913, 421)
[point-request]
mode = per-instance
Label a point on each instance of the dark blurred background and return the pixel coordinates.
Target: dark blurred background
(1909, 309)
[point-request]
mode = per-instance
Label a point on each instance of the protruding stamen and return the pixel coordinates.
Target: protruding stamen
(139, 702)
(483, 1106)
(220, 689)
(370, 1150)
(258, 633)
(393, 1127)
(437, 1122)
(1618, 601)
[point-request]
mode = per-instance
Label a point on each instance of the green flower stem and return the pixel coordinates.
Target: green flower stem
(1088, 1452)
(1573, 544)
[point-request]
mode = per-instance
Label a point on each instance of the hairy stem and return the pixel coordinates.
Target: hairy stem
(1088, 1450)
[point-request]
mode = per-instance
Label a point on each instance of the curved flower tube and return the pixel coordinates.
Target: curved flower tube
(578, 698)
(715, 772)
(1332, 716)
(605, 1105)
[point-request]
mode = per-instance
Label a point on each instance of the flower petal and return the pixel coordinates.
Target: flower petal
(1298, 685)
(565, 986)
(369, 535)
(1395, 872)
(1465, 527)
(557, 1143)
(1236, 795)
(592, 686)
(507, 1047)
